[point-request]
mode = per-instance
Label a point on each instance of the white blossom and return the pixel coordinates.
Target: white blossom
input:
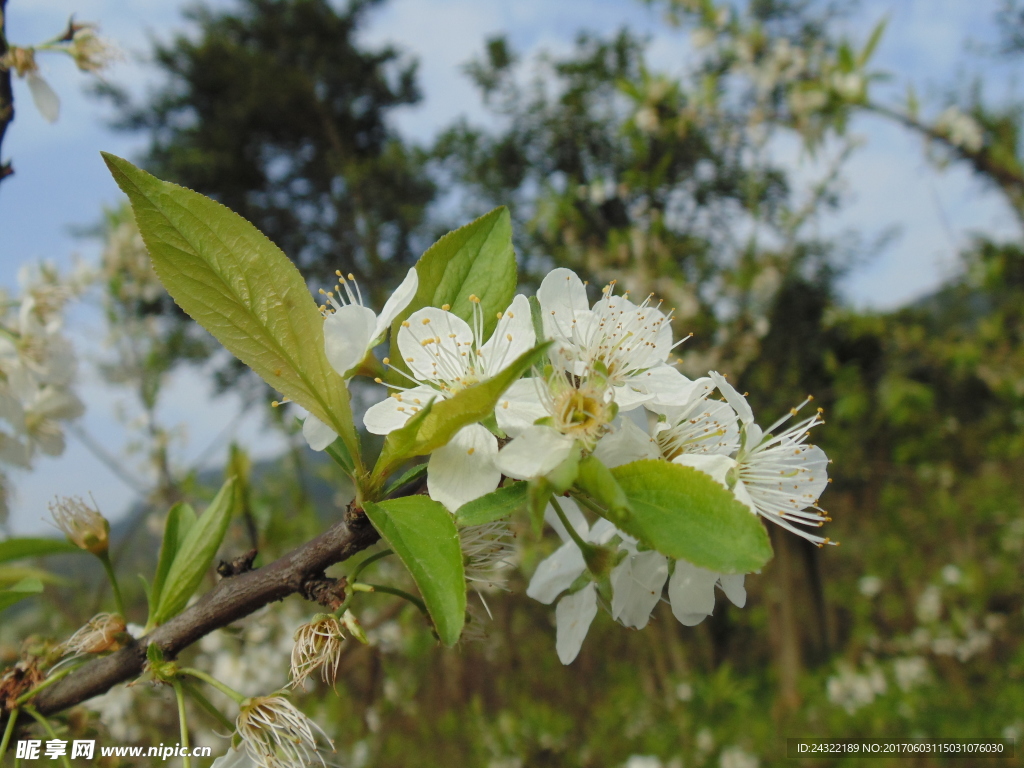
(776, 475)
(351, 330)
(445, 355)
(961, 129)
(549, 416)
(628, 343)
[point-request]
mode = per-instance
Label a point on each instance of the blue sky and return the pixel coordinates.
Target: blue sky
(61, 183)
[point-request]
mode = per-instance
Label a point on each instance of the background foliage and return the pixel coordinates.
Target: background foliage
(911, 627)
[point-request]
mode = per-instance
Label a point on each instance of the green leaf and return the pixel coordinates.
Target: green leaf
(340, 453)
(15, 549)
(597, 480)
(227, 276)
(872, 43)
(493, 506)
(684, 513)
(406, 477)
(431, 428)
(477, 259)
(423, 534)
(12, 574)
(180, 519)
(21, 590)
(195, 554)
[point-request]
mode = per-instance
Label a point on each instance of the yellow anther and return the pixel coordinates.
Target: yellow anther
(337, 272)
(474, 298)
(426, 321)
(378, 379)
(405, 323)
(508, 336)
(446, 307)
(499, 315)
(387, 361)
(471, 451)
(351, 276)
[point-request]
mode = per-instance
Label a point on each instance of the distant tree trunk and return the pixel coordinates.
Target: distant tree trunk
(6, 94)
(785, 630)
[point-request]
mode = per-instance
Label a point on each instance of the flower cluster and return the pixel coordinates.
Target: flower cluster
(608, 388)
(37, 368)
(632, 405)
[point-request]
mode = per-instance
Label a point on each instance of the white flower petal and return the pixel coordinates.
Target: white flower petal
(732, 585)
(563, 299)
(715, 464)
(573, 616)
(234, 758)
(520, 406)
(641, 335)
(396, 302)
(572, 512)
(317, 434)
(636, 587)
(691, 591)
(629, 396)
(44, 96)
(512, 337)
(348, 333)
(732, 397)
(535, 453)
(463, 469)
(666, 385)
(556, 573)
(392, 412)
(602, 532)
(436, 345)
(627, 443)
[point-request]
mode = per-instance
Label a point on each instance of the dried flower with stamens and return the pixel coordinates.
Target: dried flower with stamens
(318, 645)
(276, 734)
(84, 526)
(103, 632)
(486, 552)
(91, 52)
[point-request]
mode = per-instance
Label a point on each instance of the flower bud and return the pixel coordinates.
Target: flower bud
(84, 526)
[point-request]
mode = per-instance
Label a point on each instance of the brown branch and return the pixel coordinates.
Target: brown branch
(229, 601)
(1008, 180)
(6, 93)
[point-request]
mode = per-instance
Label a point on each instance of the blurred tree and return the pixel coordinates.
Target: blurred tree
(274, 109)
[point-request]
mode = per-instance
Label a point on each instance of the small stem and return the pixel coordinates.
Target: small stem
(206, 704)
(112, 578)
(49, 731)
(573, 533)
(587, 502)
(402, 594)
(48, 682)
(186, 760)
(368, 562)
(12, 718)
(227, 691)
